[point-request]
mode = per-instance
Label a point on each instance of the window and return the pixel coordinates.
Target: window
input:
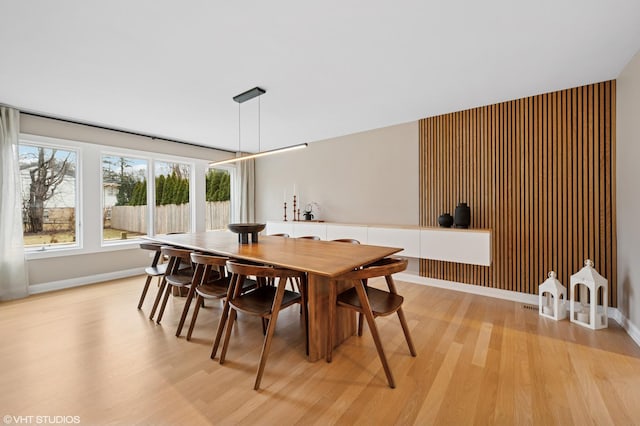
(49, 195)
(124, 197)
(172, 207)
(218, 200)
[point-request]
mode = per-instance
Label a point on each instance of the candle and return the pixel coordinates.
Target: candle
(284, 195)
(294, 189)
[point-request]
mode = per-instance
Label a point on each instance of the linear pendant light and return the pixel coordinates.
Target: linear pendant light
(243, 97)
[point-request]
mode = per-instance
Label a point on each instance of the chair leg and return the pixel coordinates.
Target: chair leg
(144, 290)
(365, 282)
(332, 318)
(364, 302)
(227, 335)
(221, 327)
(185, 310)
(223, 318)
(305, 312)
(167, 293)
(360, 323)
(199, 302)
(159, 295)
(405, 329)
(272, 327)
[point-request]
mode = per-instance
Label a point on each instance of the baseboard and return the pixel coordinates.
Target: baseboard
(631, 329)
(80, 281)
(530, 299)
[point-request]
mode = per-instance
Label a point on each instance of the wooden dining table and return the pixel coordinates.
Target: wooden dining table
(323, 261)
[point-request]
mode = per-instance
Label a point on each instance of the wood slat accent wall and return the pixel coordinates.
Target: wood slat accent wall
(540, 173)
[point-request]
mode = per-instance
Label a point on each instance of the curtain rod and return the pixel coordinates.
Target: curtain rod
(113, 129)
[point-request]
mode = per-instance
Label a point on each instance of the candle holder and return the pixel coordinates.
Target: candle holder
(294, 208)
(285, 211)
(298, 219)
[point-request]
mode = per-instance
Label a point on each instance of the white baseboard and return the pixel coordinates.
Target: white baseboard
(631, 329)
(531, 299)
(515, 296)
(80, 281)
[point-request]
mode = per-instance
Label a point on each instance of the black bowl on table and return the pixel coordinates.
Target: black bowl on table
(244, 229)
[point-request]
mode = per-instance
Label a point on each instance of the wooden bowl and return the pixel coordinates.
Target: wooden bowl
(246, 228)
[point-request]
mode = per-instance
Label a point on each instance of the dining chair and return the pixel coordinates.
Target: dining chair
(279, 235)
(372, 303)
(360, 315)
(156, 269)
(210, 281)
(178, 276)
(309, 237)
(265, 301)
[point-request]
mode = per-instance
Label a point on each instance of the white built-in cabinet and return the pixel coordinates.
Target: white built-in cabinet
(472, 246)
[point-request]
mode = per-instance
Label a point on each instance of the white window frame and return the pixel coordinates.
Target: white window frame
(231, 169)
(121, 153)
(60, 144)
(152, 182)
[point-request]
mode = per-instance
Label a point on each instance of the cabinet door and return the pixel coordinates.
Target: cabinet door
(301, 229)
(409, 239)
(462, 246)
(279, 228)
(335, 232)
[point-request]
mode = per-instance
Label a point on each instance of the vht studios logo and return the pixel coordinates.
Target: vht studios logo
(40, 420)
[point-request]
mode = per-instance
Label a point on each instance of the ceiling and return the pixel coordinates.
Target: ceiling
(330, 68)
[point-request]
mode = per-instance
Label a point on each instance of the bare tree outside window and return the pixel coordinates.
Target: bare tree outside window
(48, 183)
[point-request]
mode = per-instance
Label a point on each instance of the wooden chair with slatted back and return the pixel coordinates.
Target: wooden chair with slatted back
(156, 269)
(178, 275)
(372, 303)
(279, 235)
(210, 281)
(309, 237)
(360, 315)
(266, 301)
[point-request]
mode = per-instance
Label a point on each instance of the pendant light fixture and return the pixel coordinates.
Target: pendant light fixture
(243, 97)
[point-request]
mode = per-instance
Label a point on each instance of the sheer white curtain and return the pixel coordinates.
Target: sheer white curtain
(13, 269)
(244, 192)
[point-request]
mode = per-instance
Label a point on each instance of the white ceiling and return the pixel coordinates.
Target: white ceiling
(170, 68)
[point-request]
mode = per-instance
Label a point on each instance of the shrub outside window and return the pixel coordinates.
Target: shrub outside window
(124, 197)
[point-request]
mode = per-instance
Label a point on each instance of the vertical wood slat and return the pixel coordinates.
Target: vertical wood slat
(539, 172)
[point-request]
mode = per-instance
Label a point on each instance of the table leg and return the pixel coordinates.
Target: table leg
(318, 294)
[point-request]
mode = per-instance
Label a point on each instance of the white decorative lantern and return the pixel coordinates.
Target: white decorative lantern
(552, 297)
(588, 313)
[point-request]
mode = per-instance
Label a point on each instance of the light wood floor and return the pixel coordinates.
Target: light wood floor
(89, 352)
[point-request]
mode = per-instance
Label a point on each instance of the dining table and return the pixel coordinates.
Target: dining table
(322, 261)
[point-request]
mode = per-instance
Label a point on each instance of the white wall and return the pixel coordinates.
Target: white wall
(628, 194)
(96, 261)
(369, 177)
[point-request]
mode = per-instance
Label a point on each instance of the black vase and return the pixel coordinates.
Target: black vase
(445, 220)
(462, 216)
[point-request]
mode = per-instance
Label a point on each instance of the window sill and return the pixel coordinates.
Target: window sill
(78, 251)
